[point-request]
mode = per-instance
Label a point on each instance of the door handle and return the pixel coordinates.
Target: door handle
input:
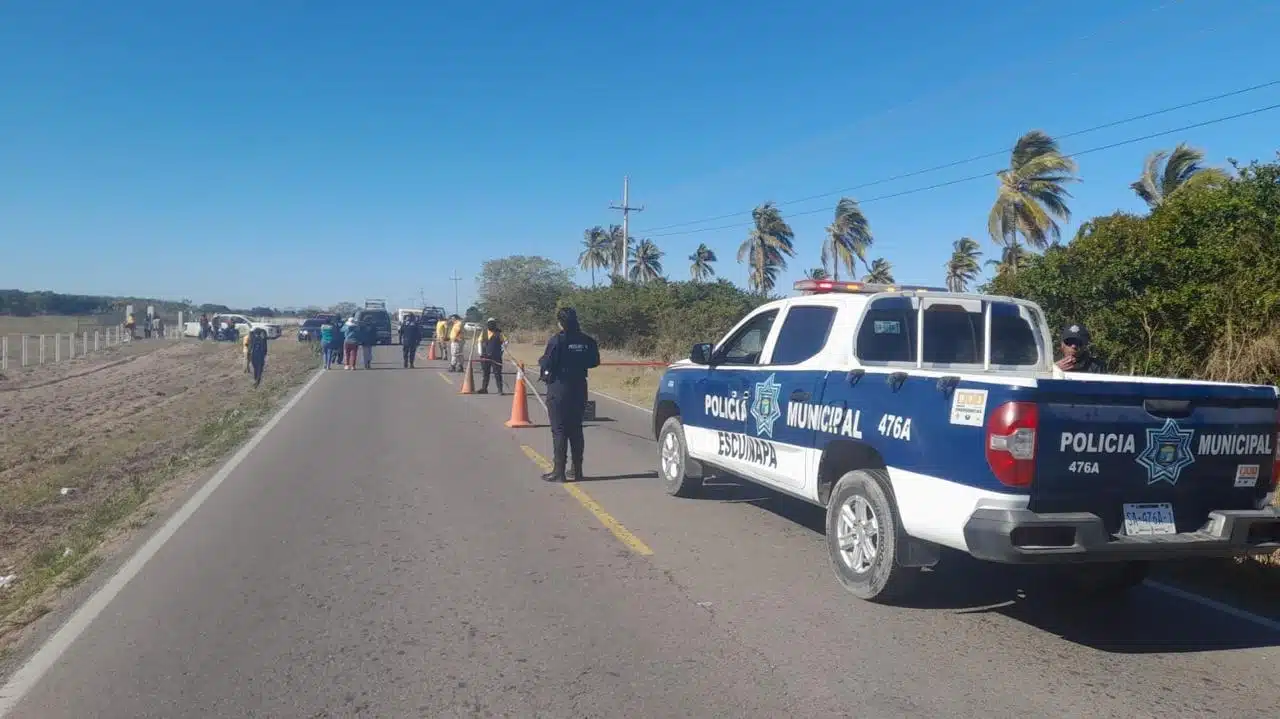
(799, 396)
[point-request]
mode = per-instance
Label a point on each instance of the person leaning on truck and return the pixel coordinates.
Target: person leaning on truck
(1077, 356)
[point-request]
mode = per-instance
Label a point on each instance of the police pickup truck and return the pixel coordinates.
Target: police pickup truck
(921, 419)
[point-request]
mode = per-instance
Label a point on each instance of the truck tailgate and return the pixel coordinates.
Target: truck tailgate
(1152, 458)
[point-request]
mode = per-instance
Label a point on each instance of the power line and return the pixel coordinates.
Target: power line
(975, 158)
(990, 173)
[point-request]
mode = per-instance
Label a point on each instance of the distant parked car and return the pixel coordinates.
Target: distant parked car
(309, 330)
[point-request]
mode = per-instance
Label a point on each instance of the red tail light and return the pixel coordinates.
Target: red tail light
(1011, 443)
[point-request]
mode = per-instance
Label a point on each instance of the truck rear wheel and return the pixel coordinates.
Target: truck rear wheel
(674, 464)
(865, 539)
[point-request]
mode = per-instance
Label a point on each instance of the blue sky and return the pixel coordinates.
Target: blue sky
(342, 150)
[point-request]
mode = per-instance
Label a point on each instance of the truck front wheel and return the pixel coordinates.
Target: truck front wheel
(865, 540)
(680, 474)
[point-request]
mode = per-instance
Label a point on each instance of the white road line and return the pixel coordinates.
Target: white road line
(30, 672)
(621, 401)
(1236, 612)
(1172, 591)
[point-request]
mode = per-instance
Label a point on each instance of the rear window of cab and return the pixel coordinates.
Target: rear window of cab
(954, 333)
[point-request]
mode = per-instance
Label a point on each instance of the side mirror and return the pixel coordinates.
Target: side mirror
(700, 354)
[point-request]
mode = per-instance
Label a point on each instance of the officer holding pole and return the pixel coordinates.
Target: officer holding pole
(569, 354)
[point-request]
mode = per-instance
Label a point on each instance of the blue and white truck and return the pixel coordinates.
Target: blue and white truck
(921, 419)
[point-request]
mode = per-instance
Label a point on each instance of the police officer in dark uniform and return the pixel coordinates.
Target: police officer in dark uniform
(1076, 354)
(564, 365)
(410, 337)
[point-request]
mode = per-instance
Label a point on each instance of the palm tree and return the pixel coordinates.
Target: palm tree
(1012, 258)
(848, 237)
(963, 266)
(596, 253)
(701, 268)
(1180, 168)
(767, 247)
(646, 262)
(880, 272)
(619, 251)
(1031, 196)
(817, 273)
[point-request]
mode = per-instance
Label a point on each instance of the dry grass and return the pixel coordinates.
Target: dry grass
(127, 434)
(636, 385)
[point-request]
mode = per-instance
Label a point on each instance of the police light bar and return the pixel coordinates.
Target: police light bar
(865, 288)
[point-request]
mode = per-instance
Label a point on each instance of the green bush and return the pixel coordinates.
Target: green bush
(1191, 290)
(659, 319)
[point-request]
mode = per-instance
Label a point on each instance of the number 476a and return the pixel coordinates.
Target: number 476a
(1083, 467)
(891, 425)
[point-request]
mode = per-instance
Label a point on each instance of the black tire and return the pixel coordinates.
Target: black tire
(882, 579)
(673, 461)
(1104, 581)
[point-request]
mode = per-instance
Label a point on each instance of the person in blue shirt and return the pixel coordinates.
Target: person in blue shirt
(326, 343)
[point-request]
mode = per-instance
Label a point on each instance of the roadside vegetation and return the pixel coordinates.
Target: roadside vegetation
(1189, 289)
(90, 456)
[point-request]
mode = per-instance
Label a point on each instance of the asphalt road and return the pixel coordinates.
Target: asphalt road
(388, 551)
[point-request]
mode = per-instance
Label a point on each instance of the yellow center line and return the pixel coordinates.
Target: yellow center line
(445, 377)
(623, 534)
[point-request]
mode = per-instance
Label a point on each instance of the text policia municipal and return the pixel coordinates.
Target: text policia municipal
(802, 415)
(1209, 444)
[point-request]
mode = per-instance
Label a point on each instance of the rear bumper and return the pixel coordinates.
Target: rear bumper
(1020, 536)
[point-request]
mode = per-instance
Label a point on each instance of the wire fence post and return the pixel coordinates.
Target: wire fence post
(57, 347)
(24, 350)
(4, 353)
(84, 345)
(41, 349)
(96, 337)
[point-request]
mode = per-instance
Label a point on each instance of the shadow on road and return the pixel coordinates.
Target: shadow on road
(1142, 622)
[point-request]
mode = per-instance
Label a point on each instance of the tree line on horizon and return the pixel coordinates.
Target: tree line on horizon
(1030, 203)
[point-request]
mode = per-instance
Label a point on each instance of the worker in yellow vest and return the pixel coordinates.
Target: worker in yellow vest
(455, 344)
(442, 337)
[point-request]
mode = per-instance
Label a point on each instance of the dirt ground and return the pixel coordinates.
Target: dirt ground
(91, 448)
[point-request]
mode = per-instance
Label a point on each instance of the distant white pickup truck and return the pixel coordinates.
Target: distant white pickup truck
(242, 323)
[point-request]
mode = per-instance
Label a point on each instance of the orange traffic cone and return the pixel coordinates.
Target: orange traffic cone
(469, 381)
(519, 404)
(431, 352)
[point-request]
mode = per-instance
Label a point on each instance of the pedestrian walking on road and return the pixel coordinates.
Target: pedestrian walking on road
(258, 353)
(491, 341)
(368, 337)
(327, 331)
(350, 343)
(410, 338)
(564, 365)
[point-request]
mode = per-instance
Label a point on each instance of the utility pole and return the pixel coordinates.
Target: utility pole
(456, 279)
(620, 263)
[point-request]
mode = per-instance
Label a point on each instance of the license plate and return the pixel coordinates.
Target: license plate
(1148, 519)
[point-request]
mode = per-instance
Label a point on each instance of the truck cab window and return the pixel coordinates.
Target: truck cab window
(745, 346)
(888, 332)
(803, 334)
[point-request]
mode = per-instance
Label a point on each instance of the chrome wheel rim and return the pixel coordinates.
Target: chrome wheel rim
(858, 534)
(672, 458)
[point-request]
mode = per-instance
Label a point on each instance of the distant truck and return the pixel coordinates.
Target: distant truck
(375, 313)
(242, 323)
